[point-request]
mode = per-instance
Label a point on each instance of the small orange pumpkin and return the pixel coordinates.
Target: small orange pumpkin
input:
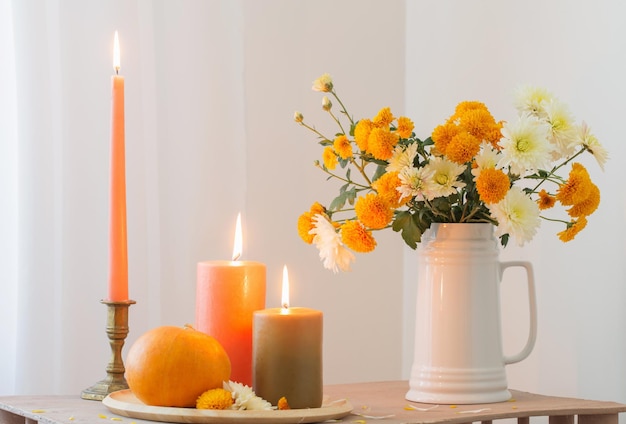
(172, 366)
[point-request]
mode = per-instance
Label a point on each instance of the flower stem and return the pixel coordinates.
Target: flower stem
(343, 108)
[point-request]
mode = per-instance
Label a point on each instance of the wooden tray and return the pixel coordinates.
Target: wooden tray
(125, 403)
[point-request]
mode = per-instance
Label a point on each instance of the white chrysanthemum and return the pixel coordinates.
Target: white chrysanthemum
(561, 124)
(416, 182)
(487, 158)
(402, 157)
(585, 138)
(245, 398)
(445, 176)
(530, 99)
(525, 146)
(517, 214)
(333, 253)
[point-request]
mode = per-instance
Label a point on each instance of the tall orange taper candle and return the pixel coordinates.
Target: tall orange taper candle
(227, 293)
(118, 257)
(287, 353)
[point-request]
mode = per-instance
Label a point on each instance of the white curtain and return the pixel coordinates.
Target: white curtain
(211, 87)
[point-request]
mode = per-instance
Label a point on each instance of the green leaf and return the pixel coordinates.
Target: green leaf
(351, 195)
(380, 170)
(410, 230)
(411, 234)
(504, 239)
(338, 202)
(400, 220)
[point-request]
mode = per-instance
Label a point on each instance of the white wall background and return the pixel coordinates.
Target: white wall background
(211, 91)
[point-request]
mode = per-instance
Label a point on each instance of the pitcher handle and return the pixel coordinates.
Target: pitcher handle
(532, 336)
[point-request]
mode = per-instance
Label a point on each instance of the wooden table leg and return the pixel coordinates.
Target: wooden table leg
(598, 419)
(561, 419)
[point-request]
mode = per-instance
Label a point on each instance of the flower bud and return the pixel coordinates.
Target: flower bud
(326, 104)
(323, 84)
(297, 116)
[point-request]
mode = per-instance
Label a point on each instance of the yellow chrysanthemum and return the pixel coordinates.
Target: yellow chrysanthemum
(573, 228)
(330, 158)
(362, 133)
(545, 201)
(343, 147)
(215, 399)
(442, 134)
(587, 206)
(387, 187)
(405, 127)
(381, 142)
(492, 185)
(577, 187)
(462, 148)
(356, 237)
(384, 118)
(306, 224)
(373, 211)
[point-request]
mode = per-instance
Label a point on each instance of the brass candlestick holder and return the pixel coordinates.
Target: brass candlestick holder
(117, 330)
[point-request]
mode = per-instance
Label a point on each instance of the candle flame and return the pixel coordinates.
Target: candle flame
(116, 53)
(238, 242)
(285, 298)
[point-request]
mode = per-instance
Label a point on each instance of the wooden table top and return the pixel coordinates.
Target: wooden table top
(383, 402)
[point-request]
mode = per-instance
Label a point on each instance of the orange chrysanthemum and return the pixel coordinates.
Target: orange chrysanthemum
(215, 399)
(317, 208)
(362, 133)
(587, 206)
(464, 107)
(545, 201)
(492, 185)
(577, 187)
(330, 158)
(357, 237)
(387, 188)
(573, 228)
(384, 118)
(305, 222)
(477, 122)
(462, 148)
(405, 127)
(283, 404)
(494, 135)
(442, 134)
(373, 211)
(343, 147)
(381, 143)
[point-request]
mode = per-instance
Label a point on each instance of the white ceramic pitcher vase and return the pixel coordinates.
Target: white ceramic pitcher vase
(458, 356)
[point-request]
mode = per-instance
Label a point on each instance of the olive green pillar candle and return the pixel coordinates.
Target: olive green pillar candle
(287, 356)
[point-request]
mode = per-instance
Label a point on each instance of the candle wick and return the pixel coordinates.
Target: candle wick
(285, 306)
(117, 70)
(236, 257)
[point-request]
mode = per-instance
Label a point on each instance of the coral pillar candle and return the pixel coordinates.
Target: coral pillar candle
(227, 294)
(118, 257)
(287, 353)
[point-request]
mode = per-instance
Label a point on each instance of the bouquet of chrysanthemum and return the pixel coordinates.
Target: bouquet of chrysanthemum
(471, 169)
